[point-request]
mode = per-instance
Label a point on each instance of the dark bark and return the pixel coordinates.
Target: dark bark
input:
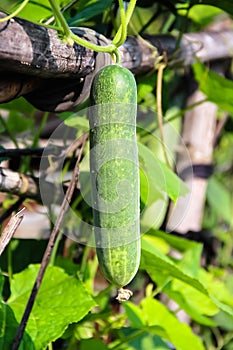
(54, 76)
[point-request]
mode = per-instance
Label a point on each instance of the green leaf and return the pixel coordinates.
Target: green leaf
(62, 299)
(157, 242)
(195, 303)
(199, 294)
(88, 9)
(203, 14)
(157, 264)
(157, 319)
(20, 105)
(224, 320)
(134, 314)
(198, 306)
(179, 243)
(225, 5)
(36, 11)
(223, 205)
(158, 183)
(179, 334)
(216, 288)
(16, 122)
(148, 341)
(8, 5)
(145, 86)
(143, 341)
(159, 175)
(92, 344)
(8, 329)
(217, 89)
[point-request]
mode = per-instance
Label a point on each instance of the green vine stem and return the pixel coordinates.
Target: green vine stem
(61, 22)
(119, 38)
(15, 13)
(121, 34)
(112, 48)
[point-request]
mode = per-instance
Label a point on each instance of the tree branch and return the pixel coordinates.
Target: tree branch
(26, 186)
(10, 229)
(54, 76)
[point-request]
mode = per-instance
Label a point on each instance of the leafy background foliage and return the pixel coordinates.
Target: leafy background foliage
(75, 308)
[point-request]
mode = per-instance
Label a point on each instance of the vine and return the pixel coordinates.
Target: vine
(117, 41)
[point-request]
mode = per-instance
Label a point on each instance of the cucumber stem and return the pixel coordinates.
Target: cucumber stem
(124, 294)
(116, 56)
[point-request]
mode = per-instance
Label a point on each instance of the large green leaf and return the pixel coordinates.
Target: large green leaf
(159, 265)
(195, 303)
(62, 300)
(216, 88)
(158, 315)
(194, 289)
(157, 319)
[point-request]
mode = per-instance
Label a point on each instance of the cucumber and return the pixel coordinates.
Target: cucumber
(114, 173)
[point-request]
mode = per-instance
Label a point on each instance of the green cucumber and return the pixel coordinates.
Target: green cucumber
(114, 173)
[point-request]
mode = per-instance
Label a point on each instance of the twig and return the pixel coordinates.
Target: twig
(10, 210)
(33, 151)
(10, 229)
(16, 152)
(19, 184)
(27, 186)
(48, 252)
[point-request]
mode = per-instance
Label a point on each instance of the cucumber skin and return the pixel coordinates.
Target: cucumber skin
(113, 123)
